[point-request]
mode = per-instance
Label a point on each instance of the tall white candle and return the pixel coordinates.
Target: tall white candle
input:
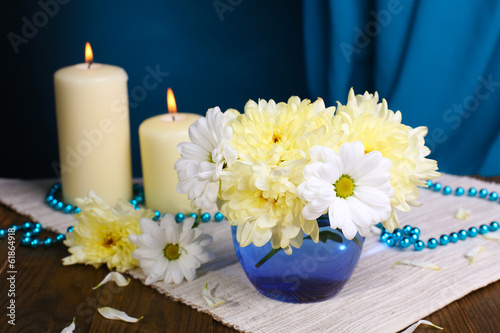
(159, 137)
(94, 131)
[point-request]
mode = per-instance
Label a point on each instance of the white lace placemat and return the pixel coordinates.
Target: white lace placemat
(379, 297)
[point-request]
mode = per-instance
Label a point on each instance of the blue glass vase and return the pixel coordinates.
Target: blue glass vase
(312, 273)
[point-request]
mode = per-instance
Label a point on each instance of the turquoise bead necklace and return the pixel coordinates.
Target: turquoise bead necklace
(31, 230)
(409, 235)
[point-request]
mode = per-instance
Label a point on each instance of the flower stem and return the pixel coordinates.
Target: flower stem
(198, 219)
(324, 236)
(358, 242)
(267, 257)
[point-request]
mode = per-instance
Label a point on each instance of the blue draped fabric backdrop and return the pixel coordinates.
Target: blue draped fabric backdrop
(436, 61)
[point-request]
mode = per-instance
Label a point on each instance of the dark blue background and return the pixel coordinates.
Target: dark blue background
(255, 51)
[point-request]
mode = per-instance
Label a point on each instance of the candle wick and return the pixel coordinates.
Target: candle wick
(90, 63)
(173, 117)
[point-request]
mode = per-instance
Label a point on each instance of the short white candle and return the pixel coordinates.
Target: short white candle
(94, 131)
(159, 137)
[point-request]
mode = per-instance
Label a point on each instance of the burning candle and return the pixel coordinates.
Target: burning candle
(159, 137)
(93, 130)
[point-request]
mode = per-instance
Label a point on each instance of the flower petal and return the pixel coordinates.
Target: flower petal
(192, 151)
(175, 270)
(375, 230)
(119, 279)
(70, 328)
(115, 314)
(421, 264)
(362, 214)
(157, 271)
(366, 164)
(414, 326)
(212, 301)
(187, 266)
(462, 213)
(149, 226)
(348, 156)
(171, 232)
(491, 236)
(474, 252)
(372, 196)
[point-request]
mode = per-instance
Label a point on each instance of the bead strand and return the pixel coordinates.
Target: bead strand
(460, 191)
(31, 230)
(138, 199)
(205, 217)
(411, 235)
(52, 200)
(179, 217)
(55, 191)
(29, 235)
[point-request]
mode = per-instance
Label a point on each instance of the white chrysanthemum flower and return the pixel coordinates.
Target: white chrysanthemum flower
(203, 159)
(352, 187)
(171, 251)
(380, 129)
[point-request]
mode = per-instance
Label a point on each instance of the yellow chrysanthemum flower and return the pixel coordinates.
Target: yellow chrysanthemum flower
(380, 129)
(100, 235)
(263, 203)
(259, 190)
(272, 133)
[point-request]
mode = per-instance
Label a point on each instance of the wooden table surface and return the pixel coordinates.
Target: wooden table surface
(48, 295)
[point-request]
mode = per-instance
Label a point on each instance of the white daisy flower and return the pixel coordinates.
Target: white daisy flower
(203, 159)
(352, 187)
(170, 251)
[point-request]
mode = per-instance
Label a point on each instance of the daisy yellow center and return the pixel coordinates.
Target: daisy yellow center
(109, 241)
(172, 252)
(344, 187)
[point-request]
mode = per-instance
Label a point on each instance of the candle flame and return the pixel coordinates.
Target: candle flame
(172, 106)
(89, 56)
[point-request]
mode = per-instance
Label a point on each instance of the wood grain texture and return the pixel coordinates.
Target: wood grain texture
(49, 295)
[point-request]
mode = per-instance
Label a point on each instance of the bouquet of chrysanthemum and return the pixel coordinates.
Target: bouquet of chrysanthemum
(276, 168)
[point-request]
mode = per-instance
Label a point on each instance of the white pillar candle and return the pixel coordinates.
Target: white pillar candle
(94, 131)
(159, 137)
